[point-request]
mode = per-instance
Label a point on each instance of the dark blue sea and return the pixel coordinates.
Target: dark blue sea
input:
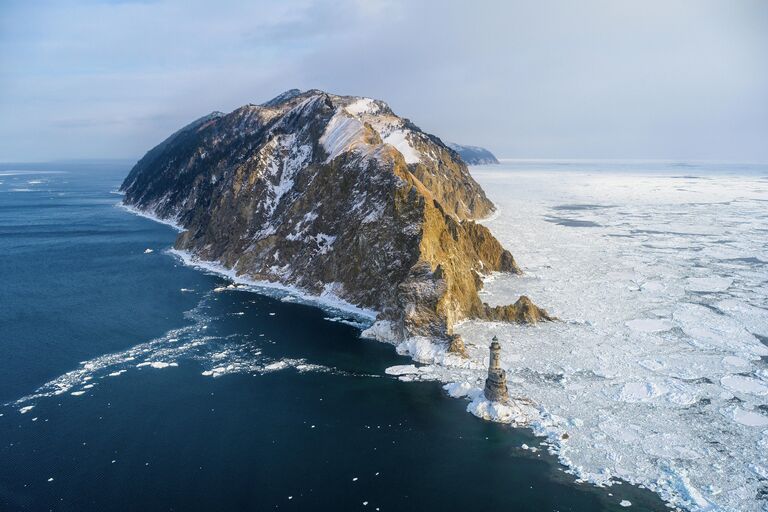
(128, 384)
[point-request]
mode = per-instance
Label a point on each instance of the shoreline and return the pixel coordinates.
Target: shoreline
(517, 414)
(147, 215)
(327, 300)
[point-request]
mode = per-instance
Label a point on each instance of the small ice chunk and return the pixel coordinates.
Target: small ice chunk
(749, 418)
(640, 391)
(458, 389)
(148, 251)
(709, 284)
(650, 324)
(402, 369)
(742, 384)
(625, 503)
(754, 319)
(736, 362)
(156, 364)
(77, 393)
(653, 286)
(277, 365)
(26, 409)
(708, 329)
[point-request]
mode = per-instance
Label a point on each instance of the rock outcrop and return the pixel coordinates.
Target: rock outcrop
(334, 195)
(474, 155)
(524, 311)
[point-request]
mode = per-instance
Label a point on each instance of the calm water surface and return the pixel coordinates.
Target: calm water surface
(253, 403)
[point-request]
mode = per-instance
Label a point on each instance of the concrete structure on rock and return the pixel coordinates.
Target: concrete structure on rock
(496, 383)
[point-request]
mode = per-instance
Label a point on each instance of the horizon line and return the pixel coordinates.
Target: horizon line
(500, 159)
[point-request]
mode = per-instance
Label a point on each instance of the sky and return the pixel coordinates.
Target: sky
(655, 79)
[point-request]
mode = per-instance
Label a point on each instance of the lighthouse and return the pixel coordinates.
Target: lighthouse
(496, 383)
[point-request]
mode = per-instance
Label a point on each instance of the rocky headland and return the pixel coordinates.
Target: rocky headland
(335, 195)
(474, 155)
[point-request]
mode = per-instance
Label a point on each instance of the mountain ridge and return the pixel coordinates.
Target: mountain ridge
(335, 195)
(474, 155)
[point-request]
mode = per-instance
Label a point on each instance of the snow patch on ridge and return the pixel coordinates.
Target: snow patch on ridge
(399, 139)
(287, 160)
(363, 106)
(342, 134)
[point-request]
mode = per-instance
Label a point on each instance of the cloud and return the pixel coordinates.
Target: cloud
(554, 78)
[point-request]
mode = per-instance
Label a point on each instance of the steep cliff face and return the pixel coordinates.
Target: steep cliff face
(332, 194)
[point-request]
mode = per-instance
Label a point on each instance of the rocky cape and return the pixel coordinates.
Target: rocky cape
(335, 195)
(474, 155)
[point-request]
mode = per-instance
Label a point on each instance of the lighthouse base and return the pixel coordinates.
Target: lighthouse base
(496, 387)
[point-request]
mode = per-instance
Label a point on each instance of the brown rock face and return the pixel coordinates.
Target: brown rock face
(456, 345)
(337, 195)
(523, 311)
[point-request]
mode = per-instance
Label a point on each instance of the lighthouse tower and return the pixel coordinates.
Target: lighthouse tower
(496, 383)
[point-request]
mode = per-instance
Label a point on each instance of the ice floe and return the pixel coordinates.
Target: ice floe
(742, 384)
(157, 364)
(749, 418)
(405, 369)
(709, 284)
(657, 374)
(640, 391)
(650, 324)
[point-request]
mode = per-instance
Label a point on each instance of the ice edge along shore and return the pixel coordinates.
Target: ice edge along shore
(519, 412)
